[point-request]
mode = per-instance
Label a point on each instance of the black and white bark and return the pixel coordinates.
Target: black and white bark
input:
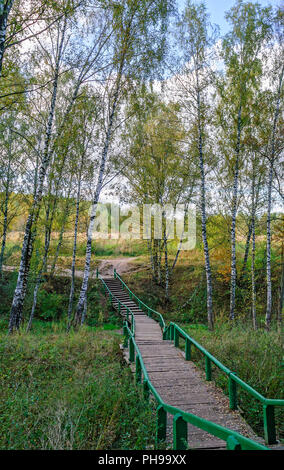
(234, 218)
(249, 234)
(30, 229)
(72, 287)
(247, 248)
(167, 271)
(181, 239)
(253, 283)
(150, 251)
(84, 287)
(204, 216)
(48, 228)
(5, 8)
(269, 203)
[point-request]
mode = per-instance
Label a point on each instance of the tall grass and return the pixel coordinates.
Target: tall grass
(70, 392)
(255, 356)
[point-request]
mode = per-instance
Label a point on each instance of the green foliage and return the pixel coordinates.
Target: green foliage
(100, 310)
(50, 305)
(7, 287)
(97, 407)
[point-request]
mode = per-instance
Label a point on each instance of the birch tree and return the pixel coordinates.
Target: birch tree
(196, 37)
(27, 248)
(5, 8)
(158, 171)
(23, 21)
(278, 76)
(139, 33)
(86, 63)
(241, 53)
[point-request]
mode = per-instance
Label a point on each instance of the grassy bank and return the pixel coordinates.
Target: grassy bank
(256, 357)
(52, 302)
(69, 392)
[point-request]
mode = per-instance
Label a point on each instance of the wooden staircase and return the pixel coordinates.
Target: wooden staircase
(178, 382)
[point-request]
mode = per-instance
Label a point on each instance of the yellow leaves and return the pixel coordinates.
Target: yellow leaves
(222, 258)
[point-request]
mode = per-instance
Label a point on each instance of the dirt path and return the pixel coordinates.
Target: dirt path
(106, 267)
(122, 266)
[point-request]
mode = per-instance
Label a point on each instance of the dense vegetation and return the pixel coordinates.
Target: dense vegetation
(70, 392)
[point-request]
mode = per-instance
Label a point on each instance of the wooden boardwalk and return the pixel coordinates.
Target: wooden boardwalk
(178, 381)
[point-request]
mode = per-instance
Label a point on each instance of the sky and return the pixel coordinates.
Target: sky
(217, 9)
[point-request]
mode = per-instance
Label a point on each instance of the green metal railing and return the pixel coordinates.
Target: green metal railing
(234, 440)
(173, 332)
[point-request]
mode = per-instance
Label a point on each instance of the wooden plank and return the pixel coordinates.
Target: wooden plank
(177, 381)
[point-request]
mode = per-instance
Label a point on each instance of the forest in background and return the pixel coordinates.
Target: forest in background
(125, 97)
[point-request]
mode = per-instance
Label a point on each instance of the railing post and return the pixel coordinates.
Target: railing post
(179, 433)
(161, 425)
(131, 351)
(172, 328)
(138, 370)
(187, 350)
(233, 444)
(165, 334)
(233, 393)
(97, 273)
(176, 338)
(269, 424)
(119, 307)
(125, 332)
(208, 369)
(169, 333)
(114, 273)
(146, 390)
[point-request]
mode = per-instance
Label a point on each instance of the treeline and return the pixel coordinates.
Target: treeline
(212, 136)
(87, 105)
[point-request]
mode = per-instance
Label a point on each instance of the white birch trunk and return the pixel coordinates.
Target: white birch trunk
(253, 285)
(269, 204)
(204, 222)
(234, 217)
(49, 222)
(83, 293)
(5, 8)
(167, 274)
(27, 248)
